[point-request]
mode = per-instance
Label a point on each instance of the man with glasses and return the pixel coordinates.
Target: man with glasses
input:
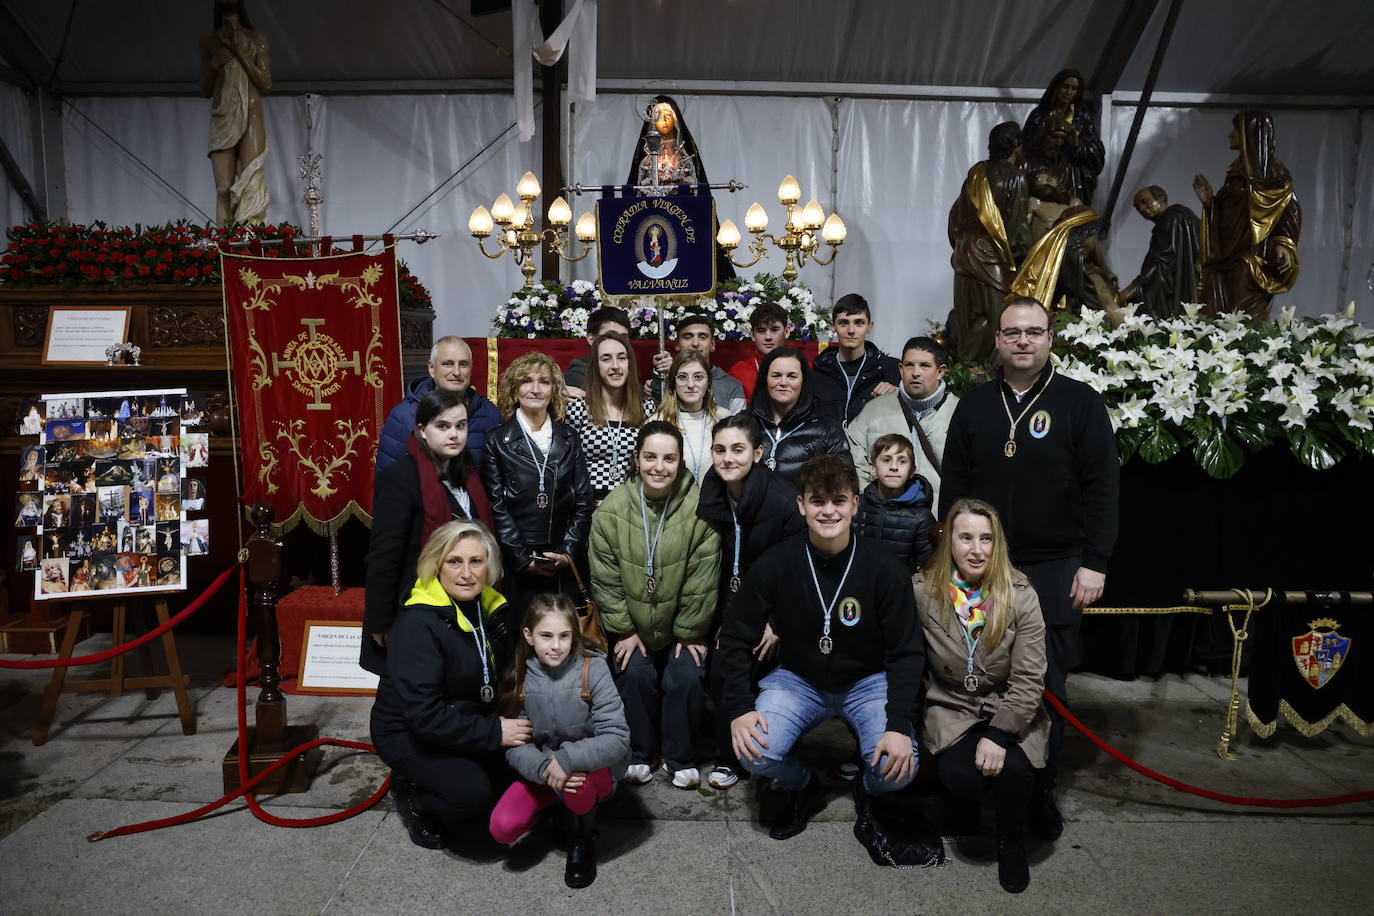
(1040, 448)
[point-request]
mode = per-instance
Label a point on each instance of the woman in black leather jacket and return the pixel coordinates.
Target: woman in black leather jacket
(795, 425)
(537, 482)
(753, 509)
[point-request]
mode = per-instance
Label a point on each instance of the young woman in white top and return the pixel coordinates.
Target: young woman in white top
(689, 404)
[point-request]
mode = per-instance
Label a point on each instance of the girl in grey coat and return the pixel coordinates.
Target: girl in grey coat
(581, 742)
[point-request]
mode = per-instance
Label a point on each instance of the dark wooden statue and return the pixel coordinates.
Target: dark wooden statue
(1248, 248)
(1169, 273)
(989, 231)
(1076, 155)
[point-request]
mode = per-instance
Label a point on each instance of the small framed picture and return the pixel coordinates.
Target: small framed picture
(193, 494)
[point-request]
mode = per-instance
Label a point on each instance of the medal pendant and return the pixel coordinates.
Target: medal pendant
(772, 464)
(1009, 449)
(826, 645)
(651, 584)
(487, 693)
(542, 501)
(971, 683)
(734, 583)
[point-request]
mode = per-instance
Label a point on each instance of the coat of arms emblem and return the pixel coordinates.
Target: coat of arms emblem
(1320, 652)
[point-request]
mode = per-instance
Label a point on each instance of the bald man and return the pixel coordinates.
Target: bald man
(450, 367)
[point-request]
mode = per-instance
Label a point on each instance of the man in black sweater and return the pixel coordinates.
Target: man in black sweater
(1040, 448)
(848, 645)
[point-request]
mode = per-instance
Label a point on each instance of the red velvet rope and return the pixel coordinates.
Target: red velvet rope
(246, 785)
(131, 644)
(1172, 783)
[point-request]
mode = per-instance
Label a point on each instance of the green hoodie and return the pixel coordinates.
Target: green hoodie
(686, 565)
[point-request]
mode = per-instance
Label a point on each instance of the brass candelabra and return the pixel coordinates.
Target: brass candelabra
(802, 234)
(516, 233)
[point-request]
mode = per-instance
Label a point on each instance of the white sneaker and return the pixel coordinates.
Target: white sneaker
(722, 777)
(689, 778)
(638, 774)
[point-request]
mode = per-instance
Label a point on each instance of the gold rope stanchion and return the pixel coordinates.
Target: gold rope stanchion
(1239, 635)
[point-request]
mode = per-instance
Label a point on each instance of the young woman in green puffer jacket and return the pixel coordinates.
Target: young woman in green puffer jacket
(655, 567)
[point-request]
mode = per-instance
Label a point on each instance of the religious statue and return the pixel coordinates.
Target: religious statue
(1168, 275)
(1078, 155)
(1065, 269)
(1048, 201)
(988, 232)
(665, 135)
(234, 72)
(1248, 246)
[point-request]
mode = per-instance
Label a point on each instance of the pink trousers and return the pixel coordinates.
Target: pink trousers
(515, 813)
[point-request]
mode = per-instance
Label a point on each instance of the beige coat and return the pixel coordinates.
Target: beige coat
(884, 415)
(1011, 676)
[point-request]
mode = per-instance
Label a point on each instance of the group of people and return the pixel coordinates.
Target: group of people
(759, 548)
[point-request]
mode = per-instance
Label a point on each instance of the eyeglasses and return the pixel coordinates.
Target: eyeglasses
(685, 379)
(1014, 334)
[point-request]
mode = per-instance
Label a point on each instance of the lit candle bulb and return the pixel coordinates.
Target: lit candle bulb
(728, 236)
(586, 227)
(755, 218)
(560, 214)
(528, 188)
(502, 210)
(812, 215)
(479, 223)
(834, 230)
(789, 192)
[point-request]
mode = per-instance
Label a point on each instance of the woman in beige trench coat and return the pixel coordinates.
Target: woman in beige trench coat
(985, 719)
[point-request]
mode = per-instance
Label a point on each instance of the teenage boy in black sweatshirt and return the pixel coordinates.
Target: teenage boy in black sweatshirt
(856, 370)
(1040, 448)
(849, 645)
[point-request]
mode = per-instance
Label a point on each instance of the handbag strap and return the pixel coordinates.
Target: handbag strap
(577, 577)
(587, 679)
(925, 447)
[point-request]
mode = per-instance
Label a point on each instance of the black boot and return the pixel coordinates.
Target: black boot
(1012, 870)
(424, 831)
(1045, 820)
(796, 809)
(581, 868)
(889, 838)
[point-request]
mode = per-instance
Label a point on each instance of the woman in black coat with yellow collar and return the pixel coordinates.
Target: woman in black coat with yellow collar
(536, 478)
(434, 482)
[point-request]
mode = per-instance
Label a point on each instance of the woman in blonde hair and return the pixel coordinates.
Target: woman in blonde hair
(608, 419)
(689, 403)
(985, 671)
(435, 721)
(536, 481)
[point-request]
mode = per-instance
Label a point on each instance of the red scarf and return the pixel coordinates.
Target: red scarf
(434, 496)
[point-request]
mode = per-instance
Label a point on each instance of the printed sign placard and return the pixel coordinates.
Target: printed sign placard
(329, 659)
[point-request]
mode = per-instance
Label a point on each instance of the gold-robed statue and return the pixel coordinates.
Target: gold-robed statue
(1065, 268)
(234, 73)
(988, 230)
(1248, 249)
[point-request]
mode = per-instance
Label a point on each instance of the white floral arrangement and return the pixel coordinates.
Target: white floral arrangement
(549, 310)
(1221, 387)
(553, 310)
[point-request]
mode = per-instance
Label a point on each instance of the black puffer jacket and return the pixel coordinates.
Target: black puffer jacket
(511, 479)
(804, 433)
(767, 514)
(902, 524)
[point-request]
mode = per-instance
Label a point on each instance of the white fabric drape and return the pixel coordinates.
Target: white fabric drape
(577, 29)
(900, 166)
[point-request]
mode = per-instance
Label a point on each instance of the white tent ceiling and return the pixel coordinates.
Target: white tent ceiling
(1219, 46)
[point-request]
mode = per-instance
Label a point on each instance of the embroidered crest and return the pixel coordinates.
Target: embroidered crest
(849, 611)
(1320, 652)
(1040, 424)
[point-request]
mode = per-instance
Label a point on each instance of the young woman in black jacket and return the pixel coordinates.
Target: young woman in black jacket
(753, 509)
(434, 482)
(796, 425)
(536, 478)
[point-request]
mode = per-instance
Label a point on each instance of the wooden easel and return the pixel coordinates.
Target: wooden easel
(117, 682)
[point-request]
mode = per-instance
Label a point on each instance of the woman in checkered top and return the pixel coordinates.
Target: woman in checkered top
(607, 420)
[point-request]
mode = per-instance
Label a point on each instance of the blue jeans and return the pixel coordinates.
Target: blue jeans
(792, 707)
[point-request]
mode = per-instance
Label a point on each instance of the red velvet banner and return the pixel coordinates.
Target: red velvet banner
(315, 347)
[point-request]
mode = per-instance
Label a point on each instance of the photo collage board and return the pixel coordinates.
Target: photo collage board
(112, 496)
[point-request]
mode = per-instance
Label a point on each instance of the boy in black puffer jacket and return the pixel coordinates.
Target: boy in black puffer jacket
(895, 509)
